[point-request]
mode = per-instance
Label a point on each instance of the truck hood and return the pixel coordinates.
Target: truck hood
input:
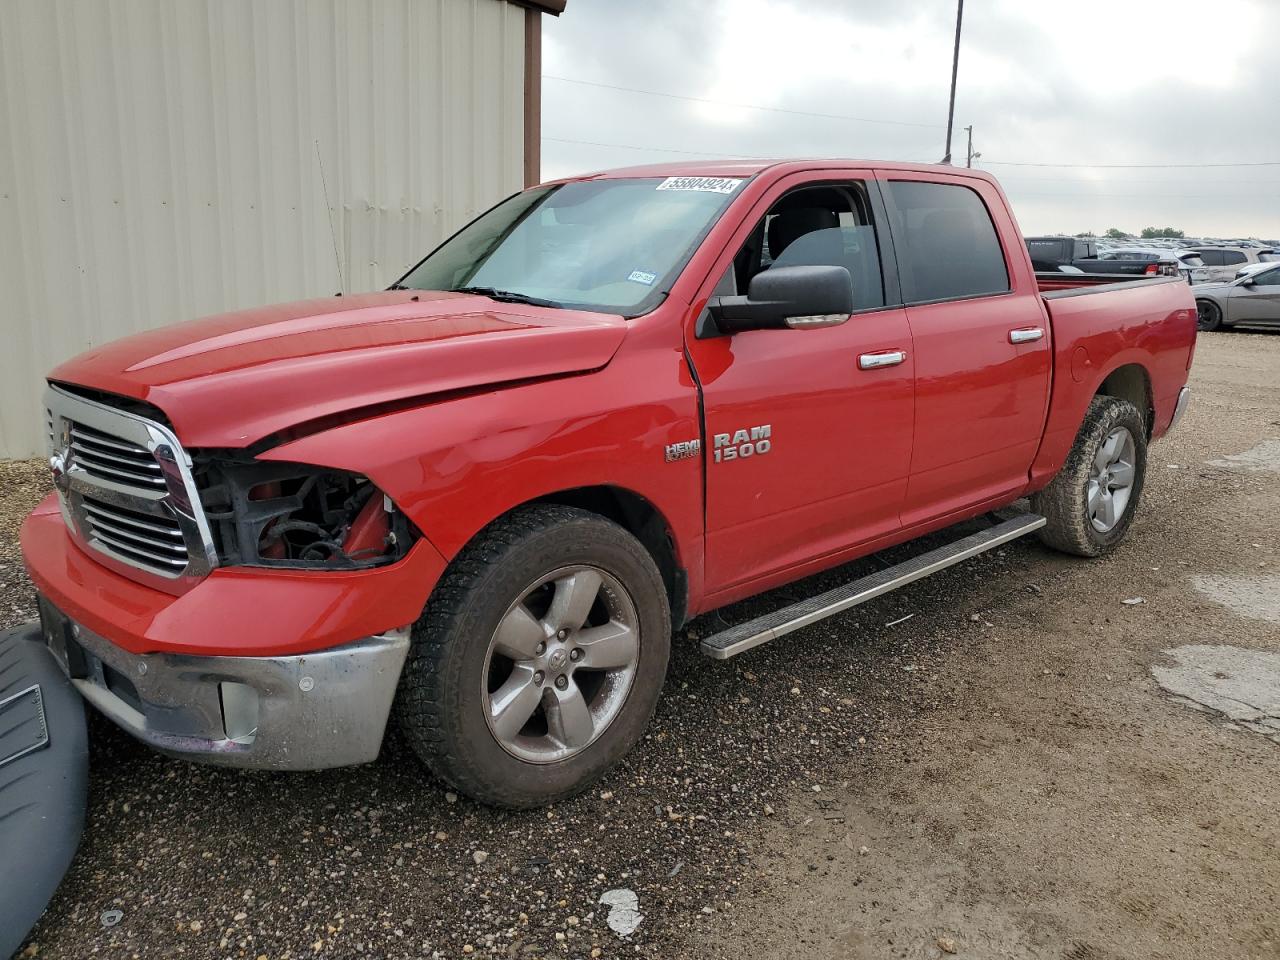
(235, 378)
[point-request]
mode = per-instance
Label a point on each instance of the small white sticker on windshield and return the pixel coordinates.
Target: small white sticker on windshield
(640, 276)
(705, 184)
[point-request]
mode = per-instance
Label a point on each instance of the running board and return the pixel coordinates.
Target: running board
(737, 639)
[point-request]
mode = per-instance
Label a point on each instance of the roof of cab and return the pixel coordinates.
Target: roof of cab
(750, 168)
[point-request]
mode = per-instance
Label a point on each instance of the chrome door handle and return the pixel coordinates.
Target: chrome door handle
(1025, 334)
(889, 358)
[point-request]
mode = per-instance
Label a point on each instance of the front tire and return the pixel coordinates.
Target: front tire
(538, 661)
(1090, 504)
(1208, 316)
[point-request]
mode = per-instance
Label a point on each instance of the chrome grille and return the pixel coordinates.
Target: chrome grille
(149, 540)
(109, 458)
(127, 493)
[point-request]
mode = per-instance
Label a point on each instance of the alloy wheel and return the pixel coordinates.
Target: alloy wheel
(560, 664)
(1111, 477)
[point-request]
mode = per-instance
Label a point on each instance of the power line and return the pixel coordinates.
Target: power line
(897, 123)
(1198, 181)
(632, 146)
(1163, 198)
(719, 155)
(1133, 166)
(745, 106)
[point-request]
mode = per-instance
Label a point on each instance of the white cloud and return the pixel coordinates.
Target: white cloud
(1093, 81)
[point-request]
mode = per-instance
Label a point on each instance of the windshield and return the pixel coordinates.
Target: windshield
(614, 246)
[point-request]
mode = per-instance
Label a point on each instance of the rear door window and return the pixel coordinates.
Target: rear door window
(1232, 257)
(946, 242)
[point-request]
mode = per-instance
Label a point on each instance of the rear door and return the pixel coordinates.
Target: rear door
(1232, 260)
(982, 343)
(807, 432)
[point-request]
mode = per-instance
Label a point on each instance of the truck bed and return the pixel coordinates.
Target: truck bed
(1101, 325)
(1056, 284)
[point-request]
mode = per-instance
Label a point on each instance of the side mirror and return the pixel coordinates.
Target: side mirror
(797, 298)
(1248, 282)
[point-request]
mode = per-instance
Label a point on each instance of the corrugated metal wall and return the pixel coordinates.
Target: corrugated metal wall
(162, 159)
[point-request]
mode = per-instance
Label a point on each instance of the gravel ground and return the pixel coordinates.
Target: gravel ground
(998, 775)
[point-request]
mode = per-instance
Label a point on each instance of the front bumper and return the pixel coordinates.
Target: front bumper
(302, 712)
(234, 611)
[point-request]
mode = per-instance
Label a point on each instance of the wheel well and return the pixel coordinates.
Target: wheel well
(637, 515)
(1131, 382)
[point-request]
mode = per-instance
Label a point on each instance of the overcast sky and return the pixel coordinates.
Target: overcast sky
(1043, 82)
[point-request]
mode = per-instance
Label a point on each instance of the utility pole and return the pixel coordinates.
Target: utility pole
(970, 156)
(955, 67)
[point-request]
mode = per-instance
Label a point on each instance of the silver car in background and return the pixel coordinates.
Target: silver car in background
(1254, 299)
(1223, 263)
(1249, 269)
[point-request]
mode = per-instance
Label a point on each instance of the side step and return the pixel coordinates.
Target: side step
(737, 639)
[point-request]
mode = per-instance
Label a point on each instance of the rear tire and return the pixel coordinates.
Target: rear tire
(1090, 504)
(1208, 316)
(498, 697)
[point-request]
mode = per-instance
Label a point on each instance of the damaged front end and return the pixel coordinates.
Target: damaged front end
(294, 515)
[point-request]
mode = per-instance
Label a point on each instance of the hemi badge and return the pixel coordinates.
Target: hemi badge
(683, 450)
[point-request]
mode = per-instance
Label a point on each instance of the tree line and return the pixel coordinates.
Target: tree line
(1148, 233)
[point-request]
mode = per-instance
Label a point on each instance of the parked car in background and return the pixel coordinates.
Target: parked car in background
(1251, 268)
(1064, 254)
(1053, 253)
(1252, 299)
(1152, 262)
(1222, 263)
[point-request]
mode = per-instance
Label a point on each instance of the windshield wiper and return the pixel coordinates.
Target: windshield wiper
(399, 286)
(508, 296)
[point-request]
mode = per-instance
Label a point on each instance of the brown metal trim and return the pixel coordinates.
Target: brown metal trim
(533, 96)
(553, 7)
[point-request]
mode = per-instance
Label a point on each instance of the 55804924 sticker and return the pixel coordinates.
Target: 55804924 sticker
(704, 184)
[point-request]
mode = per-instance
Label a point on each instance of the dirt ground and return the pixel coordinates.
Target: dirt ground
(997, 776)
(1055, 803)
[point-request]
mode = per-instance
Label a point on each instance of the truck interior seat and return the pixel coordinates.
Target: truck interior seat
(789, 225)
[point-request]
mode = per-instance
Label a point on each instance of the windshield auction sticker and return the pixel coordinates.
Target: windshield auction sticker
(705, 184)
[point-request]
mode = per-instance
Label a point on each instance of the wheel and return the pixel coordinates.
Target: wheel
(1092, 500)
(1208, 315)
(538, 661)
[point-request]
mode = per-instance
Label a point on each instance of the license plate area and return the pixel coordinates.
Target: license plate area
(60, 638)
(23, 727)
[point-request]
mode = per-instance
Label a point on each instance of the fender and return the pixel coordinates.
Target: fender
(1158, 336)
(456, 465)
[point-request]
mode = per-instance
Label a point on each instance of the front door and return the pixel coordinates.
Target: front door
(808, 432)
(1258, 302)
(982, 347)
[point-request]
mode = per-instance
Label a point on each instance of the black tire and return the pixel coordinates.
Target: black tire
(440, 707)
(1208, 316)
(1064, 501)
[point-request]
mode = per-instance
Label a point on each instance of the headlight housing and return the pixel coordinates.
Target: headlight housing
(295, 515)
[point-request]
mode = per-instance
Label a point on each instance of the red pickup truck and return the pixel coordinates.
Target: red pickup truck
(482, 500)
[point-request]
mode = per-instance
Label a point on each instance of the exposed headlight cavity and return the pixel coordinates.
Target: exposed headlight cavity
(299, 516)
